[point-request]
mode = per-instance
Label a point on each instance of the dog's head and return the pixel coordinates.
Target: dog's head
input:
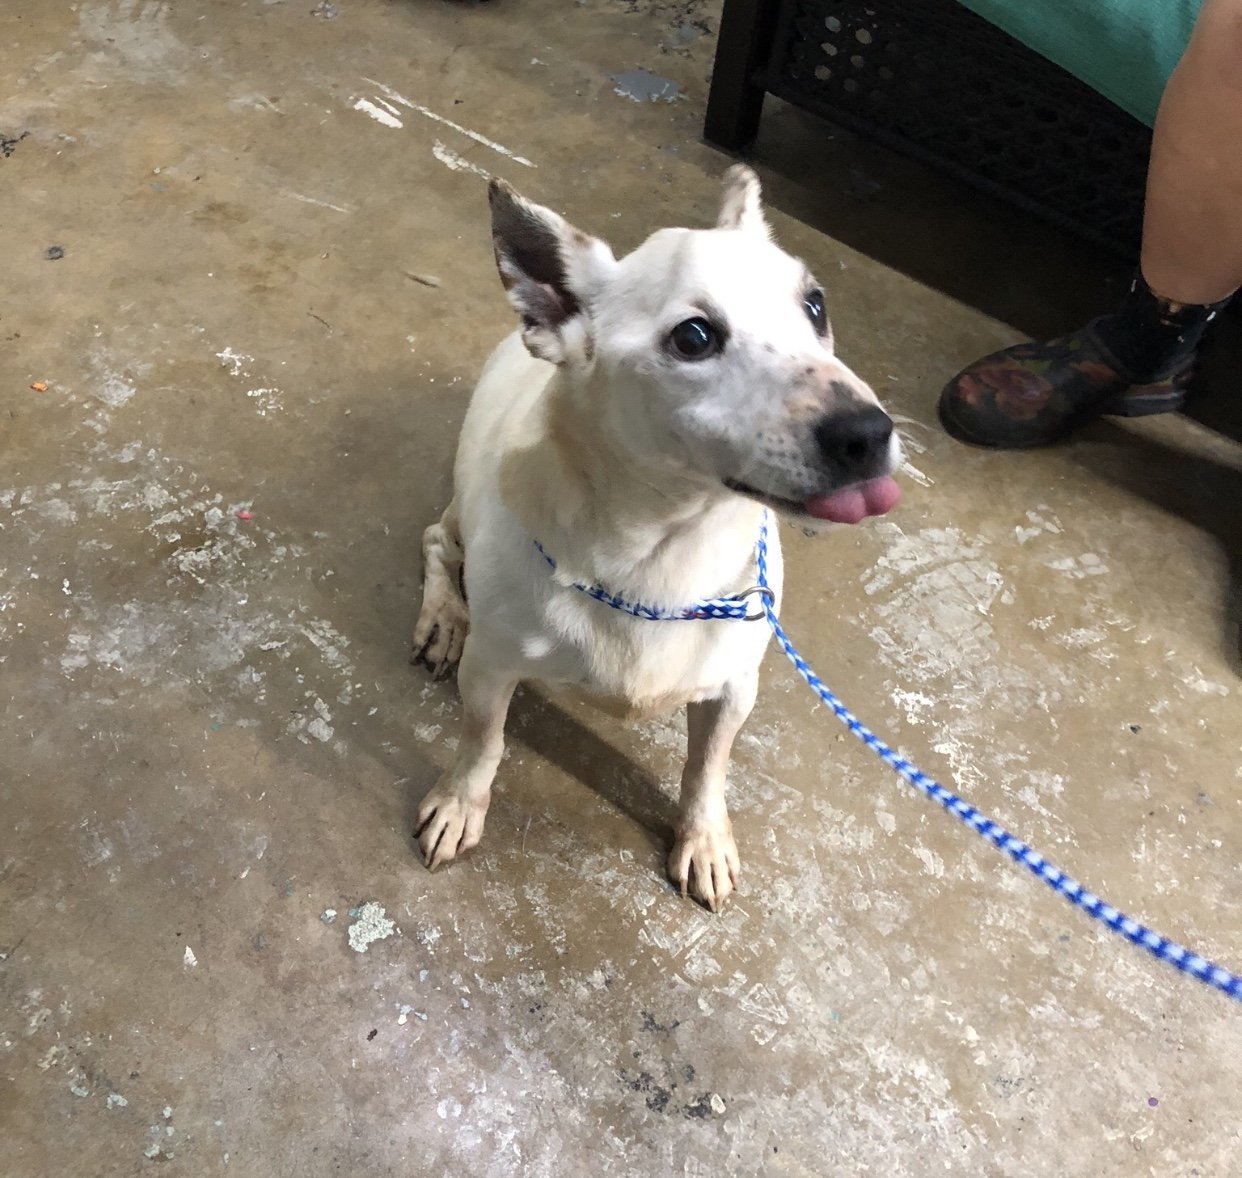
(707, 351)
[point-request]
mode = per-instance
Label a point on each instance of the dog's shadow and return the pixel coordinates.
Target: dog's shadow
(1193, 486)
(547, 730)
(550, 732)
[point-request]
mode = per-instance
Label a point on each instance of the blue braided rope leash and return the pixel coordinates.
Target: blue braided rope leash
(735, 608)
(1157, 945)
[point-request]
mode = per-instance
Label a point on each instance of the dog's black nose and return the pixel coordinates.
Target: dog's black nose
(855, 442)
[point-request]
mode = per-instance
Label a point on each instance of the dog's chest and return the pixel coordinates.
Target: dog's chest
(632, 668)
(620, 707)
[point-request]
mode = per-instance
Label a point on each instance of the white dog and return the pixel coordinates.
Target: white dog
(636, 431)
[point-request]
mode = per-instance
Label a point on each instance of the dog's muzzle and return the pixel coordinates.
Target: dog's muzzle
(854, 444)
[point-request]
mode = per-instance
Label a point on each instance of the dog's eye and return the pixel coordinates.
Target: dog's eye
(814, 304)
(695, 339)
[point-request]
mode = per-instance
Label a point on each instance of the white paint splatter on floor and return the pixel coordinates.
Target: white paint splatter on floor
(372, 924)
(323, 204)
(387, 117)
(1079, 567)
(131, 39)
(236, 362)
(428, 113)
(266, 397)
(456, 163)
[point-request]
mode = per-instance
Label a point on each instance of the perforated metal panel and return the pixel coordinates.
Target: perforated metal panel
(932, 79)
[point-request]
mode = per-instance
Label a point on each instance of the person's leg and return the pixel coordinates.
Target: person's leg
(1192, 227)
(1140, 358)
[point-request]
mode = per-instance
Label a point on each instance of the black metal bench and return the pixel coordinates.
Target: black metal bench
(932, 80)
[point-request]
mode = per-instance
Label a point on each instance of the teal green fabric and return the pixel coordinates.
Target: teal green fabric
(1125, 49)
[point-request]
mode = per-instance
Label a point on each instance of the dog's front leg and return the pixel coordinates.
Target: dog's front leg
(450, 819)
(704, 856)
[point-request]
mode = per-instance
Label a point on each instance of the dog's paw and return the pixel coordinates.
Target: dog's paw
(440, 634)
(704, 863)
(448, 825)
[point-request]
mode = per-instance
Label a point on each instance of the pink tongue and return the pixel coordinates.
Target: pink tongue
(855, 503)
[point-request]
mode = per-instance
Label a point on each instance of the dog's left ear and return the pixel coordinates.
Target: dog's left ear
(742, 205)
(550, 270)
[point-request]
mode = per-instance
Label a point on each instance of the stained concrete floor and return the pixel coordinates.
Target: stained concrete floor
(211, 736)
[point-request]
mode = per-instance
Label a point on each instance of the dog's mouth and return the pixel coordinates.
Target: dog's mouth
(848, 505)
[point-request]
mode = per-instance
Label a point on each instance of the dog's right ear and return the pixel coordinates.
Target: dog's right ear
(550, 271)
(741, 205)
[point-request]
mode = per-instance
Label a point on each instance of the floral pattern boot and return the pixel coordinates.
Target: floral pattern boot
(1036, 394)
(1135, 362)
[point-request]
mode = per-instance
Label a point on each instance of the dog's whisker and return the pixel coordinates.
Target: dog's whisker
(909, 443)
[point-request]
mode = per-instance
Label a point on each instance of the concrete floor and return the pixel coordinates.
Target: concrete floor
(211, 735)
